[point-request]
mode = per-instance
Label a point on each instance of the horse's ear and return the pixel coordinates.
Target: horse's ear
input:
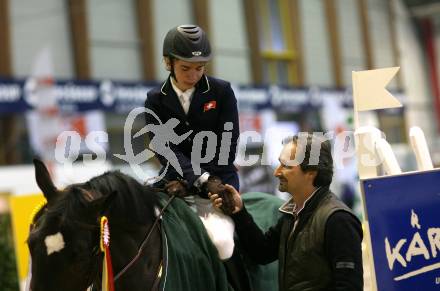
(44, 180)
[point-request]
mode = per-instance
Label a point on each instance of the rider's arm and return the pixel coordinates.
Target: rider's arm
(184, 161)
(228, 114)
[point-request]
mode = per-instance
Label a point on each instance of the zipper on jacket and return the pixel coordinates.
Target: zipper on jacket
(292, 226)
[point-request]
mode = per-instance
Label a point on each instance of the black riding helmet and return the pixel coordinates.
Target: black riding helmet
(188, 43)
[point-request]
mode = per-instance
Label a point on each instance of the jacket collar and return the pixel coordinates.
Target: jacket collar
(171, 101)
(202, 86)
(309, 205)
(288, 206)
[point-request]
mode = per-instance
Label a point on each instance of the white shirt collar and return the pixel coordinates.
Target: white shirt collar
(290, 207)
(310, 197)
(187, 94)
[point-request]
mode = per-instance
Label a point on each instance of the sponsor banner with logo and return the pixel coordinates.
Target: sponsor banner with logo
(11, 97)
(403, 215)
(74, 96)
(19, 95)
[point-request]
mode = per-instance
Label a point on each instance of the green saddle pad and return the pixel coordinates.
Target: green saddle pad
(264, 209)
(191, 260)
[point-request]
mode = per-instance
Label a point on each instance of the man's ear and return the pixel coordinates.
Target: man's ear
(312, 175)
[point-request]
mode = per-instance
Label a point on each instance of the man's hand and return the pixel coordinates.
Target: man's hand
(178, 188)
(233, 196)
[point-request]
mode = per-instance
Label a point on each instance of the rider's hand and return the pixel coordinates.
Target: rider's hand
(178, 188)
(236, 204)
(214, 185)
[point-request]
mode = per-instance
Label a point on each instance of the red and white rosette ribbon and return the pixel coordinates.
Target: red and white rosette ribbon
(107, 270)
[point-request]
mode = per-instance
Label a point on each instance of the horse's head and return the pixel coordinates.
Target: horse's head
(63, 240)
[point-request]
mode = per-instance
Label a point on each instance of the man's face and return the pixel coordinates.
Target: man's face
(187, 74)
(292, 178)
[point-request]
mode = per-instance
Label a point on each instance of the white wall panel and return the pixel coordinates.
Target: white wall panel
(352, 50)
(229, 41)
(114, 45)
(317, 58)
(168, 14)
(419, 110)
(36, 25)
(110, 62)
(380, 34)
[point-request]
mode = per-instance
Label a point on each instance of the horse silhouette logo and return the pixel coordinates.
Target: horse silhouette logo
(164, 135)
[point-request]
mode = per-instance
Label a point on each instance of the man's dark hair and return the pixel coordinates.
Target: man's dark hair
(321, 161)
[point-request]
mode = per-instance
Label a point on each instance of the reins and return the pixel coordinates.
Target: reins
(144, 242)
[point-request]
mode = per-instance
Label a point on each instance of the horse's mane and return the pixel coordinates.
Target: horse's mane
(131, 202)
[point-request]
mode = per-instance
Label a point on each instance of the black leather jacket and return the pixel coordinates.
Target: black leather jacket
(323, 252)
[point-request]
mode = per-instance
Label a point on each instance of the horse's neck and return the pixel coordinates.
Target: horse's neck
(124, 246)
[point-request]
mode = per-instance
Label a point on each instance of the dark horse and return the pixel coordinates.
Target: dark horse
(72, 215)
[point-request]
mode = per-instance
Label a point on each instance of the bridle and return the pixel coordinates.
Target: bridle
(37, 213)
(140, 249)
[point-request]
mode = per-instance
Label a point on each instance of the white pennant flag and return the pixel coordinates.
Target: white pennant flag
(369, 89)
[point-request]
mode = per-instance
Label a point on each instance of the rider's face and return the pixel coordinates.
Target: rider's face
(187, 74)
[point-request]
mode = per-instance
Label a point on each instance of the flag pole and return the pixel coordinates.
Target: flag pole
(373, 81)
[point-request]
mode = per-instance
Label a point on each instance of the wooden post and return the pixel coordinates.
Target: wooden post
(365, 32)
(335, 48)
(394, 41)
(250, 11)
(200, 11)
(145, 24)
(8, 123)
(80, 37)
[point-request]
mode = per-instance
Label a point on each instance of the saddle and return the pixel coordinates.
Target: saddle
(214, 184)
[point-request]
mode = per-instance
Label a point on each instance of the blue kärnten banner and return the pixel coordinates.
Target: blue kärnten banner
(404, 219)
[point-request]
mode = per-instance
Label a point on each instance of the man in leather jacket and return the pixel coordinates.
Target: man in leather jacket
(318, 239)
